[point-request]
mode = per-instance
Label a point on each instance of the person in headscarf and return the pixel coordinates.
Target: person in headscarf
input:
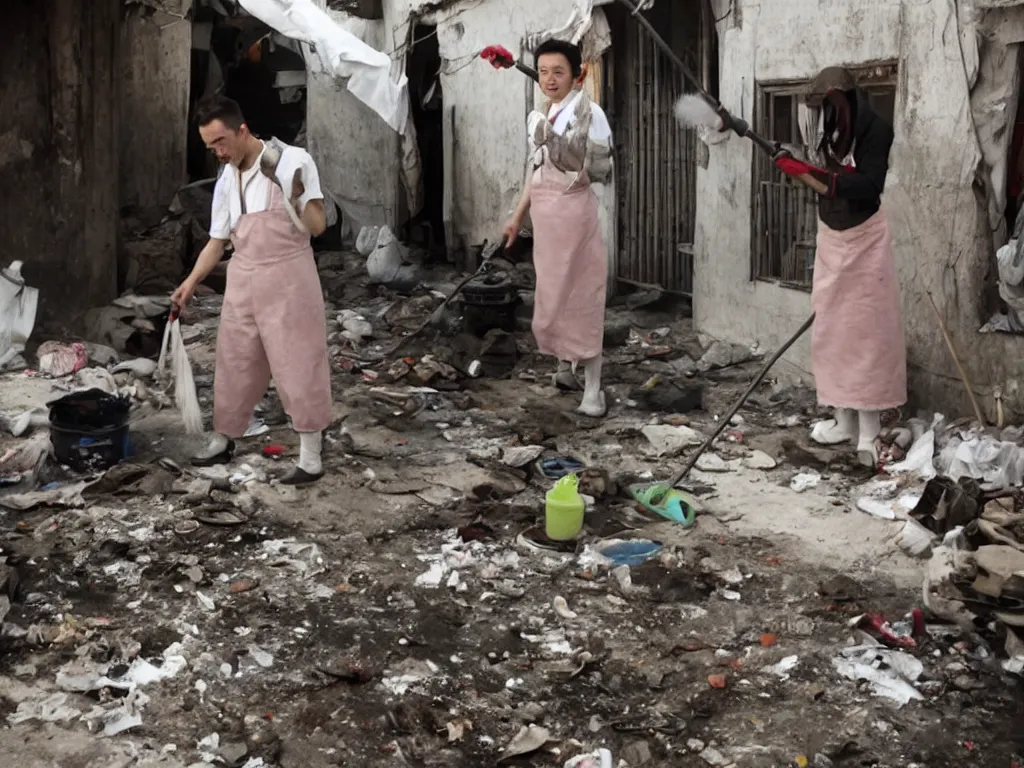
(858, 353)
(570, 148)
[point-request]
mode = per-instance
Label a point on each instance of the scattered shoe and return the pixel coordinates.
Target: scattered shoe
(218, 458)
(299, 476)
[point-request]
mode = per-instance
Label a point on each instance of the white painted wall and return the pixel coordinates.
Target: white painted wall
(356, 153)
(359, 157)
(941, 238)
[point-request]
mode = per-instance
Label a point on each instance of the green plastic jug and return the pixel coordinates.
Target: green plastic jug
(563, 510)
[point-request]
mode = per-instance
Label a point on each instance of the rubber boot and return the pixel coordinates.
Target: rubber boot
(593, 403)
(840, 429)
(870, 423)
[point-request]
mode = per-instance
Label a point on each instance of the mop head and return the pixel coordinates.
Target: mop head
(693, 111)
(185, 397)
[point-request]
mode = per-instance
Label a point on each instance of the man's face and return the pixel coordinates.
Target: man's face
(228, 145)
(555, 75)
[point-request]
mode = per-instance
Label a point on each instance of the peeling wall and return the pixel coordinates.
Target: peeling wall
(936, 195)
(356, 153)
(155, 81)
(490, 106)
(359, 157)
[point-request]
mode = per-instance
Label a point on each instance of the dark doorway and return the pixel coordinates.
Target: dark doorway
(240, 58)
(423, 68)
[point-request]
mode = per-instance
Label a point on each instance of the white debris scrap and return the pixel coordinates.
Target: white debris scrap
(804, 481)
(888, 673)
(366, 71)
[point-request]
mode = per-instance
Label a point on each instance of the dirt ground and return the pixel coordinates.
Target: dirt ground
(392, 614)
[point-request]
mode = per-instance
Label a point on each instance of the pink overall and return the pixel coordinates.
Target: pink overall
(571, 264)
(272, 325)
(858, 353)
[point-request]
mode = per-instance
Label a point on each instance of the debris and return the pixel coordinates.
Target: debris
(889, 673)
(759, 460)
(637, 753)
(58, 360)
(661, 396)
(622, 552)
(559, 466)
(18, 305)
(668, 440)
(784, 667)
(723, 355)
(711, 462)
(876, 508)
(712, 756)
(457, 730)
(528, 740)
(409, 673)
(804, 481)
(521, 456)
(261, 657)
(562, 608)
(916, 540)
(602, 758)
(717, 681)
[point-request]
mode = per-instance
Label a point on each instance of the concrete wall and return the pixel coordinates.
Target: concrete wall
(490, 106)
(155, 81)
(359, 157)
(355, 151)
(59, 149)
(938, 214)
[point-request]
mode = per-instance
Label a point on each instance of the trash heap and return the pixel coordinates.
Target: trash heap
(960, 490)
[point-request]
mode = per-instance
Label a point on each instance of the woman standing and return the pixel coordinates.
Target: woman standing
(858, 355)
(570, 147)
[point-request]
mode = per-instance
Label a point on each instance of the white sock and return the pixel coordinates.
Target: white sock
(310, 446)
(846, 421)
(593, 397)
(217, 445)
(870, 425)
(839, 430)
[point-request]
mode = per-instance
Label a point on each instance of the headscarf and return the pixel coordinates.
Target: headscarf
(835, 90)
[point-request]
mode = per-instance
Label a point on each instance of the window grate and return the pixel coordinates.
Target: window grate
(785, 217)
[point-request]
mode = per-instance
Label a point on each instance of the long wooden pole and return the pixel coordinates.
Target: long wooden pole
(956, 359)
(724, 421)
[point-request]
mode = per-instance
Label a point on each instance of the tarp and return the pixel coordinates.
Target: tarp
(340, 53)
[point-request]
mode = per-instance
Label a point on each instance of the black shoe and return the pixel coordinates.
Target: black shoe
(299, 476)
(221, 458)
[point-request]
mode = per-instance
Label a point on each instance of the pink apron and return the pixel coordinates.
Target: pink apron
(272, 325)
(858, 355)
(571, 264)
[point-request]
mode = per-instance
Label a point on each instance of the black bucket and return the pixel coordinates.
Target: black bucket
(89, 430)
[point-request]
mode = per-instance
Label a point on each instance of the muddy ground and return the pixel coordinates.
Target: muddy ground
(349, 623)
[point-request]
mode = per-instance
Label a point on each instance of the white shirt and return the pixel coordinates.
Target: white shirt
(227, 203)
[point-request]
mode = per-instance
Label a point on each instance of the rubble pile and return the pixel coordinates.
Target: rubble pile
(411, 608)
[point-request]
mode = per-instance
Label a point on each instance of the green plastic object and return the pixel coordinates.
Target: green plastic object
(563, 510)
(664, 500)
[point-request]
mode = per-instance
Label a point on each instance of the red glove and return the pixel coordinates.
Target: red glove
(793, 167)
(499, 57)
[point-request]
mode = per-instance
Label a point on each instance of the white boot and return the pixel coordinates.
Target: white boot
(870, 426)
(841, 429)
(218, 451)
(310, 465)
(593, 403)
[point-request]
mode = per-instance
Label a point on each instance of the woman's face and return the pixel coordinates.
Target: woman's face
(555, 76)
